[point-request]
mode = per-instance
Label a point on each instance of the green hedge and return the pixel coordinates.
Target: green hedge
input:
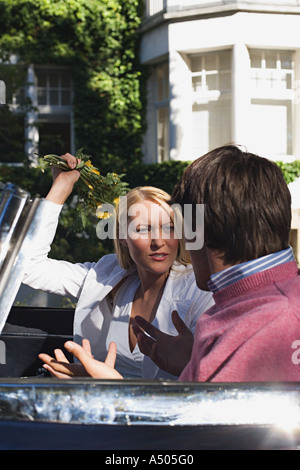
(291, 171)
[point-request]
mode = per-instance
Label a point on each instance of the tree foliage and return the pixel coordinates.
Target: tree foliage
(98, 40)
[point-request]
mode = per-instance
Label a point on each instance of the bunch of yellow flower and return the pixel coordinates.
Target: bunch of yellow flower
(95, 189)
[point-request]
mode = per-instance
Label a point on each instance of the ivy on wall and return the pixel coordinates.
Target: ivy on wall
(98, 40)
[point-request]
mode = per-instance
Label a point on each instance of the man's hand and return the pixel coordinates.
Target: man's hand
(169, 353)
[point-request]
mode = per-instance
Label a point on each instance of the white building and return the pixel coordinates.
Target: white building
(223, 72)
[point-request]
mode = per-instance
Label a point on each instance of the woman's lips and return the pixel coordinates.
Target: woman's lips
(159, 256)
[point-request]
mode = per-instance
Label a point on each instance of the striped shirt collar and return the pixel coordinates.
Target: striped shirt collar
(235, 273)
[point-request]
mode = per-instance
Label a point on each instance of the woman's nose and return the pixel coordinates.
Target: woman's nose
(157, 238)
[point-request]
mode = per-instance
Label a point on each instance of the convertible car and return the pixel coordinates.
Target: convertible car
(40, 412)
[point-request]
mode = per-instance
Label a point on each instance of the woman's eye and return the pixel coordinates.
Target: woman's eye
(153, 230)
(168, 228)
(142, 229)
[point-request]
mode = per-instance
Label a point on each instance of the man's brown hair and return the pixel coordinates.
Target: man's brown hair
(247, 203)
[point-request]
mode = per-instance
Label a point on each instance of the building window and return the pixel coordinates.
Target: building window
(41, 100)
(53, 88)
(211, 85)
(272, 101)
(271, 71)
(162, 112)
(53, 97)
(211, 73)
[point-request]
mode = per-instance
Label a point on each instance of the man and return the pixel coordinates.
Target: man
(250, 332)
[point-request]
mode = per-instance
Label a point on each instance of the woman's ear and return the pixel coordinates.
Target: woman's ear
(123, 241)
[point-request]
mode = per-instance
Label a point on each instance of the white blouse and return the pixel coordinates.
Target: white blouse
(128, 363)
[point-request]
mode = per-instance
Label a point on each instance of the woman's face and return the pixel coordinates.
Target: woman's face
(150, 237)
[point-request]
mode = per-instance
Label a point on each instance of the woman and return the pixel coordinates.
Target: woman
(149, 276)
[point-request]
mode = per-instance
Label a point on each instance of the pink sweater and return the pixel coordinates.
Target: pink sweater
(247, 335)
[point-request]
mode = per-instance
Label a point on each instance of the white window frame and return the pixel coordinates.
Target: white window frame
(204, 92)
(49, 108)
(47, 112)
(262, 92)
(162, 103)
(207, 96)
(264, 74)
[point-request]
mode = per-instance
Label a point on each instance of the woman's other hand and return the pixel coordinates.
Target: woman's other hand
(60, 367)
(94, 368)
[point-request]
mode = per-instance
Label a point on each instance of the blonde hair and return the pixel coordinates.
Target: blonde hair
(134, 196)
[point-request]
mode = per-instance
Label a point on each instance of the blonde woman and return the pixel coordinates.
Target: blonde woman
(150, 275)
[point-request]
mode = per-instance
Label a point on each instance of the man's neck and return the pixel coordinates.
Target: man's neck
(227, 276)
(216, 261)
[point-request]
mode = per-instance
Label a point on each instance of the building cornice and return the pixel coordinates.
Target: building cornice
(210, 11)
